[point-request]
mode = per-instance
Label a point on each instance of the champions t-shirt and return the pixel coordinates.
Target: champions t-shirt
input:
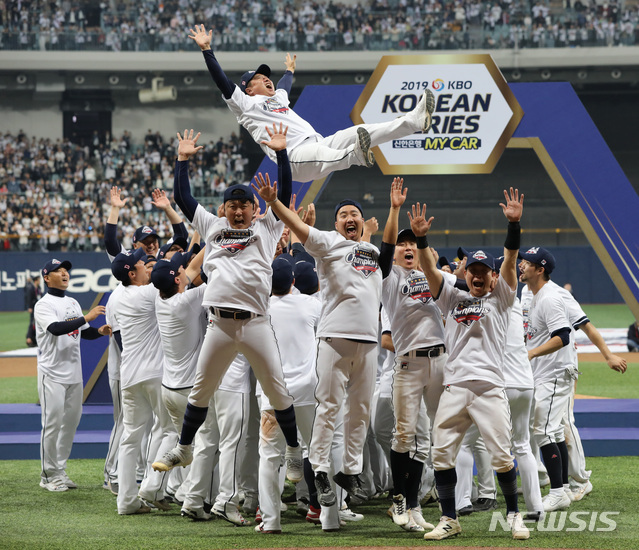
(238, 260)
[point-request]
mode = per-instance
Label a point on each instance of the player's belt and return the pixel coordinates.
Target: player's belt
(236, 314)
(432, 351)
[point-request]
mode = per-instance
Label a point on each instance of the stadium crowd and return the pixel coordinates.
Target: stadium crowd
(249, 25)
(54, 194)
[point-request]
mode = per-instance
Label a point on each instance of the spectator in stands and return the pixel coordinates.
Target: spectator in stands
(633, 337)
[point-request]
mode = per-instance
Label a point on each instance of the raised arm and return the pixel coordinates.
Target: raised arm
(203, 40)
(161, 201)
(512, 210)
(286, 82)
(111, 243)
(389, 239)
(277, 142)
(420, 226)
(181, 187)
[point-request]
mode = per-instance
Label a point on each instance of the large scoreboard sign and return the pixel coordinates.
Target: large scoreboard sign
(475, 113)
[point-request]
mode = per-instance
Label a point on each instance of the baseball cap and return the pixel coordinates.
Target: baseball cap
(346, 202)
(306, 280)
(248, 75)
(282, 275)
(539, 256)
(143, 232)
(406, 235)
(165, 271)
(462, 253)
(125, 262)
(238, 192)
(178, 241)
(443, 260)
(480, 257)
(53, 265)
(150, 258)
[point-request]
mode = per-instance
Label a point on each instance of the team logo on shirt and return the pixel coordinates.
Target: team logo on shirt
(416, 287)
(272, 105)
(469, 311)
(363, 260)
(70, 315)
(234, 240)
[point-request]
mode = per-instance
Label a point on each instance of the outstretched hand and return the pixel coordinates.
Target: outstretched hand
(290, 62)
(398, 193)
(617, 363)
(116, 200)
(278, 137)
(418, 222)
(264, 188)
(514, 205)
(187, 147)
(160, 200)
(201, 37)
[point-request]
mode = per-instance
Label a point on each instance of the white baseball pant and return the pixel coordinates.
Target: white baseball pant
(111, 461)
(255, 339)
(344, 368)
(249, 452)
(577, 458)
(473, 451)
(175, 402)
(551, 400)
(61, 410)
(466, 403)
(314, 159)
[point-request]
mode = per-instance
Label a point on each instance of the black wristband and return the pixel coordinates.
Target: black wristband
(422, 242)
(513, 238)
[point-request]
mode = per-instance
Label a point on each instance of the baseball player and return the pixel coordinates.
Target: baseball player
(418, 338)
(238, 259)
(350, 275)
(476, 323)
(257, 103)
(141, 370)
(59, 326)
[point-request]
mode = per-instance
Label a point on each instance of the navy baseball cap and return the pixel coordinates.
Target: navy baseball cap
(406, 235)
(143, 232)
(53, 265)
(306, 280)
(165, 271)
(177, 241)
(125, 262)
(150, 258)
(346, 202)
(282, 275)
(539, 256)
(462, 253)
(480, 257)
(248, 75)
(239, 192)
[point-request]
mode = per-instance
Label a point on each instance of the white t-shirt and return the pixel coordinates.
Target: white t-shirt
(255, 113)
(416, 321)
(142, 357)
(58, 356)
(182, 321)
(238, 260)
(475, 333)
(115, 356)
(294, 318)
(548, 313)
(517, 370)
(350, 284)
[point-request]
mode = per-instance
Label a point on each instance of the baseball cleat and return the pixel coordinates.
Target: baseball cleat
(67, 481)
(157, 504)
(554, 501)
(580, 490)
(517, 526)
(182, 455)
(231, 514)
(364, 147)
(313, 515)
(195, 515)
(447, 527)
(325, 493)
(294, 463)
(261, 529)
(351, 484)
(416, 516)
(422, 113)
(484, 504)
(399, 512)
(346, 514)
(466, 510)
(412, 526)
(55, 485)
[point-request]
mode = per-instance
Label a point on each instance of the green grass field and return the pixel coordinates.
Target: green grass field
(86, 518)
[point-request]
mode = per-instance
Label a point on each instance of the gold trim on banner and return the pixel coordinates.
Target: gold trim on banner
(588, 229)
(442, 59)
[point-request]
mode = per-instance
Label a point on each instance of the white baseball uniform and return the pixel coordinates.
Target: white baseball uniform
(350, 282)
(59, 382)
